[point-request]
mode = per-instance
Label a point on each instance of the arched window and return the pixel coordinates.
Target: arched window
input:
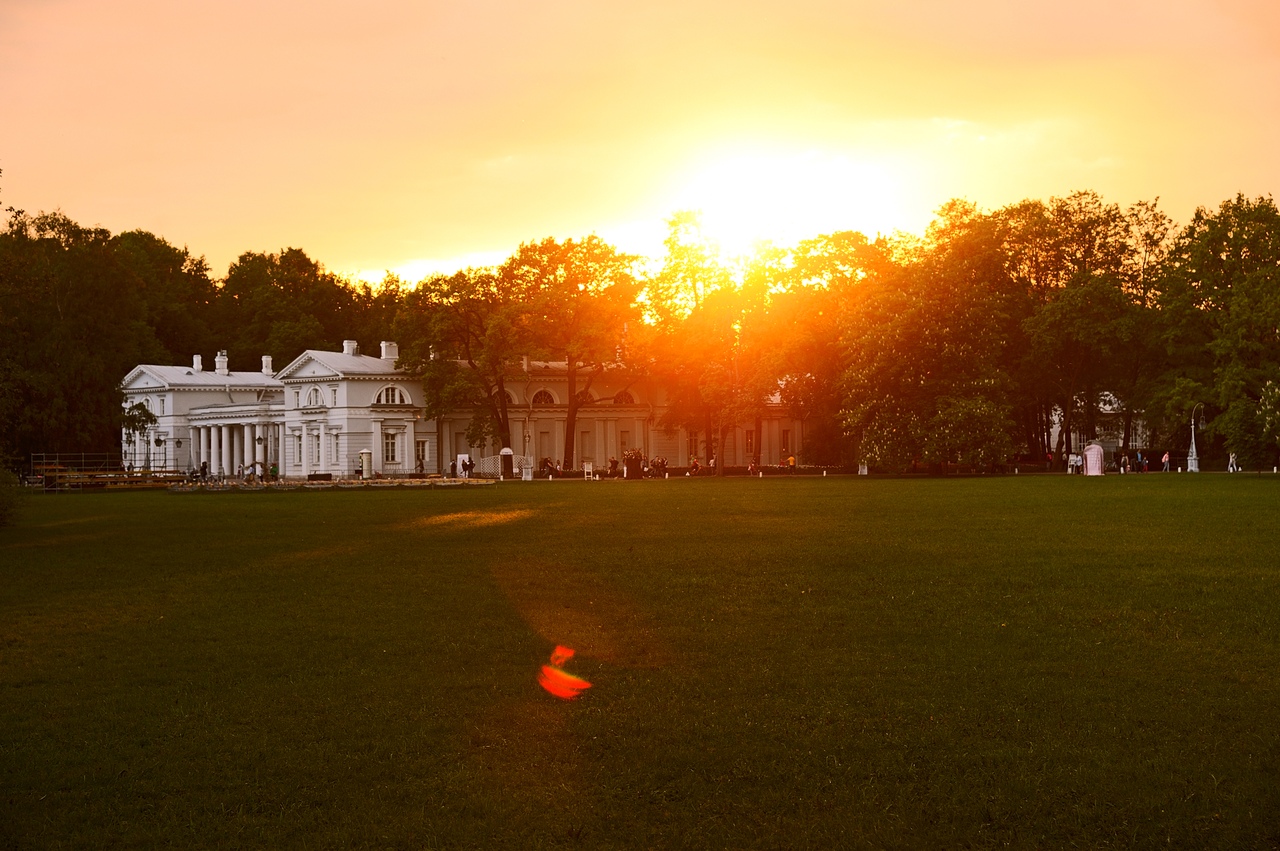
(315, 399)
(511, 400)
(391, 396)
(624, 398)
(542, 397)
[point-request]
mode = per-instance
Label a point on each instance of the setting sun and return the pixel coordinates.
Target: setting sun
(784, 197)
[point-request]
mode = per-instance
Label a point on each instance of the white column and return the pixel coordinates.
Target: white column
(228, 458)
(237, 449)
(323, 464)
(214, 437)
(376, 425)
(260, 447)
(247, 429)
(305, 456)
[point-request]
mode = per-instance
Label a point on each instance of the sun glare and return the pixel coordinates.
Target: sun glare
(784, 198)
(748, 196)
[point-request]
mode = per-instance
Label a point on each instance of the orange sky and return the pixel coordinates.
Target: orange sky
(416, 135)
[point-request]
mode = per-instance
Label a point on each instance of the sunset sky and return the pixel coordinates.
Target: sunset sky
(418, 136)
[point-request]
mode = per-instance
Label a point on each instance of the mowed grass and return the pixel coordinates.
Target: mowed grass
(780, 663)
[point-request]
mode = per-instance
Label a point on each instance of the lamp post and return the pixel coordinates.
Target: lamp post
(1193, 460)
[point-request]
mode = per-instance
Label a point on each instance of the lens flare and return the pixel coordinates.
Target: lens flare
(563, 685)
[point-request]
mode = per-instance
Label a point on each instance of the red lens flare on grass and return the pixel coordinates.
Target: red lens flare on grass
(563, 685)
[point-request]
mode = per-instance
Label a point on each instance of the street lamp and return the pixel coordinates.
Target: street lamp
(1193, 460)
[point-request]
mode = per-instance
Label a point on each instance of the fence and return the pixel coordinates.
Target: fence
(57, 471)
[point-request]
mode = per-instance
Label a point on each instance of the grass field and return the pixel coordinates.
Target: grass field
(784, 663)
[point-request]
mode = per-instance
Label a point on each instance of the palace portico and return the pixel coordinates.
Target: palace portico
(315, 416)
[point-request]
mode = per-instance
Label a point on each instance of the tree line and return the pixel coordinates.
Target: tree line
(965, 345)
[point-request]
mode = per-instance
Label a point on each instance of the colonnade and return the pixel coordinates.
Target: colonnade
(226, 447)
(318, 452)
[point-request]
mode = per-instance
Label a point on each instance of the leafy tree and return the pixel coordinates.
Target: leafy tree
(464, 335)
(1073, 259)
(806, 317)
(175, 291)
(72, 324)
(1221, 303)
(694, 305)
(579, 298)
(285, 302)
(925, 339)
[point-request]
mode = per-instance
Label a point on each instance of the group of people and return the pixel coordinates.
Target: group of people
(656, 468)
(467, 467)
(249, 475)
(785, 465)
(1140, 463)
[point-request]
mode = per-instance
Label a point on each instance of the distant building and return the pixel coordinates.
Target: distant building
(326, 411)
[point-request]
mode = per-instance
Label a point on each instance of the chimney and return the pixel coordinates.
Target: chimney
(350, 347)
(197, 364)
(390, 351)
(221, 362)
(266, 365)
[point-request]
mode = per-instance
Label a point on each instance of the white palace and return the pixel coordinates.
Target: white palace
(345, 414)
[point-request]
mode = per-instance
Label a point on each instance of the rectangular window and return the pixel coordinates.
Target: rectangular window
(297, 398)
(315, 448)
(693, 445)
(420, 453)
(389, 448)
(297, 449)
(624, 442)
(751, 443)
(786, 441)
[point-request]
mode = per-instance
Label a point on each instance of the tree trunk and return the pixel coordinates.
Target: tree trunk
(756, 455)
(1064, 436)
(504, 420)
(1046, 429)
(571, 414)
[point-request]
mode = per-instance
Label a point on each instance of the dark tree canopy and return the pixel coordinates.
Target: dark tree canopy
(971, 344)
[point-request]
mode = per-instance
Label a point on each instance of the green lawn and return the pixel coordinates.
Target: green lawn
(1026, 661)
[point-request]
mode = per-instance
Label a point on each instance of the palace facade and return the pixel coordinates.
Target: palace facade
(345, 414)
